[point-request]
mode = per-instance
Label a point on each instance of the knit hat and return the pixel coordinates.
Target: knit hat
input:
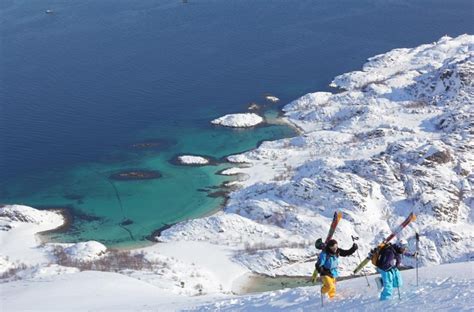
(332, 242)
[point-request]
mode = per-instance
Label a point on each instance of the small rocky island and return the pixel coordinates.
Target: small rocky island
(242, 120)
(272, 98)
(192, 160)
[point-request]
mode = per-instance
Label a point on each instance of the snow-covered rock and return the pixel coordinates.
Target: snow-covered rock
(193, 160)
(86, 251)
(238, 120)
(18, 214)
(272, 98)
(230, 171)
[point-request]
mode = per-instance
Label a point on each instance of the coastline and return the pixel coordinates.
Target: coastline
(68, 220)
(224, 190)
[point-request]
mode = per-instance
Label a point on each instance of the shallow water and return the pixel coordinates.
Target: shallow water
(81, 85)
(121, 212)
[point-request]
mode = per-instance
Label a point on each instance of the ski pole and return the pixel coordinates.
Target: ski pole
(398, 288)
(417, 236)
(322, 304)
(354, 238)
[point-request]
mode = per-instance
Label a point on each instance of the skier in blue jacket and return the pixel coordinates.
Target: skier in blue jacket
(327, 264)
(388, 264)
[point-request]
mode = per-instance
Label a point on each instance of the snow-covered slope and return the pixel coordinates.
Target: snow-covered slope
(447, 288)
(181, 268)
(443, 288)
(398, 139)
(18, 241)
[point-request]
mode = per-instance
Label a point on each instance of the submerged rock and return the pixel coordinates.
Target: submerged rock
(254, 107)
(135, 175)
(154, 144)
(126, 222)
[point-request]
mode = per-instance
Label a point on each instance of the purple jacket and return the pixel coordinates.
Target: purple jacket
(390, 257)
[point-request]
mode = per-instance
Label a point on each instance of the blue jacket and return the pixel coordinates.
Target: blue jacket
(327, 262)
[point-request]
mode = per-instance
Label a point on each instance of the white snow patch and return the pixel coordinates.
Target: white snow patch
(238, 120)
(85, 251)
(193, 160)
(272, 98)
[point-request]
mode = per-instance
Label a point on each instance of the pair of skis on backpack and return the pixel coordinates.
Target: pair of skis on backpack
(319, 244)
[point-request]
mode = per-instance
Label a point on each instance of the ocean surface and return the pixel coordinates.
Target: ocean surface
(81, 86)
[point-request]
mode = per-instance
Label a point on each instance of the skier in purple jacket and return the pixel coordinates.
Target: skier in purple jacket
(388, 264)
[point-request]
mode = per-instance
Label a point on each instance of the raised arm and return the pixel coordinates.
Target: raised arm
(345, 253)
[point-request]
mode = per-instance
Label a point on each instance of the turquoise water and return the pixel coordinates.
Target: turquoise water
(79, 86)
(99, 205)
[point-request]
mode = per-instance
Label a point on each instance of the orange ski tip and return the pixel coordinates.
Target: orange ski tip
(339, 215)
(413, 217)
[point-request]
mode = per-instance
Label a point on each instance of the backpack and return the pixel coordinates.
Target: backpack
(378, 254)
(319, 244)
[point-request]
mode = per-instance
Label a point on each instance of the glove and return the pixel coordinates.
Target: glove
(314, 276)
(355, 247)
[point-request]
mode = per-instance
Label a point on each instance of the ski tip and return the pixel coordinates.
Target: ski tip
(339, 215)
(412, 216)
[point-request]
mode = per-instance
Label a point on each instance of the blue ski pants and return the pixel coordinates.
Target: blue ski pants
(391, 279)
